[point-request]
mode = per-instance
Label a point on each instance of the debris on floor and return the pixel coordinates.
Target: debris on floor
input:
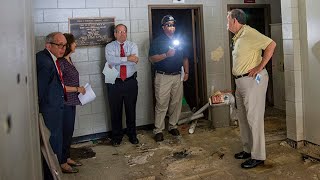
(82, 153)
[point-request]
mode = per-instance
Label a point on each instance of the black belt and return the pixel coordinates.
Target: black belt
(240, 76)
(134, 76)
(167, 73)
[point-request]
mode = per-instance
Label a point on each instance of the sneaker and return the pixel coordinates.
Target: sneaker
(174, 132)
(158, 137)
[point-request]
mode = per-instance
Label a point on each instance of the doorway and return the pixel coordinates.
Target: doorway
(258, 17)
(189, 25)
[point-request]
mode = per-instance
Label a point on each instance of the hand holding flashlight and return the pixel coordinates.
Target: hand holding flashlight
(171, 52)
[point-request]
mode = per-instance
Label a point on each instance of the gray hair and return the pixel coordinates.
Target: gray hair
(239, 15)
(50, 37)
(115, 28)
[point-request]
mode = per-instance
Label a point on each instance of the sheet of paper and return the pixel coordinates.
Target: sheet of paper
(88, 96)
(182, 73)
(110, 74)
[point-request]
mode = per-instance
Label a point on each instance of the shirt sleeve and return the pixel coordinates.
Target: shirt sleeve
(113, 58)
(261, 41)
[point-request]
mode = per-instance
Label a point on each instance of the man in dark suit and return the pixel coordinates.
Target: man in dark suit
(51, 91)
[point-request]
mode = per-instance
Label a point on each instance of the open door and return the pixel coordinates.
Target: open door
(189, 26)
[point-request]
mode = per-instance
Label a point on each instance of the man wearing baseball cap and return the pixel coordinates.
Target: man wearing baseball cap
(168, 58)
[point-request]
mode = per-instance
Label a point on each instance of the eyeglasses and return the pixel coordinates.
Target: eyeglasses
(122, 32)
(170, 25)
(60, 46)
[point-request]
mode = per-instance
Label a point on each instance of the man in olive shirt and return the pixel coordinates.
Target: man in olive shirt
(251, 80)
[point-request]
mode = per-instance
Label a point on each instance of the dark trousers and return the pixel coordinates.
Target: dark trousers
(53, 121)
(69, 115)
(123, 92)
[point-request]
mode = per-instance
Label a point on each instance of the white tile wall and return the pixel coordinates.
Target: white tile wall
(119, 13)
(71, 3)
(85, 13)
(45, 4)
(57, 15)
(99, 3)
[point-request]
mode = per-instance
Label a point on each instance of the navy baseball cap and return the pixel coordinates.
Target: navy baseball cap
(166, 19)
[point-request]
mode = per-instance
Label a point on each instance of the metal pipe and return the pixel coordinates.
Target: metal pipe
(188, 119)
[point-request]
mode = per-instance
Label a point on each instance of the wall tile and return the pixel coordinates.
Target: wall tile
(118, 13)
(57, 15)
(85, 13)
(71, 3)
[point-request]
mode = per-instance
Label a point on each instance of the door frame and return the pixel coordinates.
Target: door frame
(267, 30)
(201, 76)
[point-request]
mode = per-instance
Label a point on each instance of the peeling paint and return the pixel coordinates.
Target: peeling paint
(217, 54)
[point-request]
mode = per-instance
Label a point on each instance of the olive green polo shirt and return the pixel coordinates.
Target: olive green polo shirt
(248, 45)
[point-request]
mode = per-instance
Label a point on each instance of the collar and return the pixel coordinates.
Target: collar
(121, 43)
(239, 33)
(54, 58)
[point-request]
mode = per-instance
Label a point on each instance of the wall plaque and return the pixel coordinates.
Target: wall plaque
(92, 31)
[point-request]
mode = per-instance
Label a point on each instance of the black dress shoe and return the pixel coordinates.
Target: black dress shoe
(158, 137)
(174, 132)
(251, 163)
(134, 140)
(115, 143)
(242, 155)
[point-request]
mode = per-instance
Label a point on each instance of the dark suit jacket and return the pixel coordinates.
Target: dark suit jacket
(50, 90)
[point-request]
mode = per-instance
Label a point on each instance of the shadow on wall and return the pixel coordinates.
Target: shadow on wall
(316, 50)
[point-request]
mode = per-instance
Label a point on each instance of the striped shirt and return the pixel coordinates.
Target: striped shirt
(70, 77)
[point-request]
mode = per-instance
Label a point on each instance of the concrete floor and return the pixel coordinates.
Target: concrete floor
(206, 154)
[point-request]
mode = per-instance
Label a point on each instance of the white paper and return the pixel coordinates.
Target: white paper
(182, 73)
(88, 96)
(110, 74)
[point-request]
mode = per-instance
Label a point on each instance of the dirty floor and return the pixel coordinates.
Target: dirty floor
(206, 154)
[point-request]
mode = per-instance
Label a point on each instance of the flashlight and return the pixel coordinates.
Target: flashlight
(175, 43)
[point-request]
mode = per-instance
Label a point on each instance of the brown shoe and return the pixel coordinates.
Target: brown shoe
(74, 163)
(68, 169)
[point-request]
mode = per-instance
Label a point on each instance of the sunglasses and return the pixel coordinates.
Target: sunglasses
(170, 25)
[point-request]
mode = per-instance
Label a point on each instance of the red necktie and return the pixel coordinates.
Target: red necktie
(123, 68)
(61, 79)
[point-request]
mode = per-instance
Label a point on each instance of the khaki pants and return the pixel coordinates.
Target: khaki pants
(250, 97)
(168, 93)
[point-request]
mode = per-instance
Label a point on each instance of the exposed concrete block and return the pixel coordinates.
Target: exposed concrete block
(84, 110)
(45, 28)
(84, 79)
(99, 3)
(138, 13)
(99, 91)
(85, 121)
(57, 15)
(121, 3)
(85, 13)
(97, 80)
(87, 68)
(80, 55)
(96, 53)
(71, 3)
(38, 16)
(118, 13)
(64, 27)
(143, 25)
(99, 105)
(45, 3)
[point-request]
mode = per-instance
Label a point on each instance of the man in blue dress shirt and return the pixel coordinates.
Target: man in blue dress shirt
(123, 55)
